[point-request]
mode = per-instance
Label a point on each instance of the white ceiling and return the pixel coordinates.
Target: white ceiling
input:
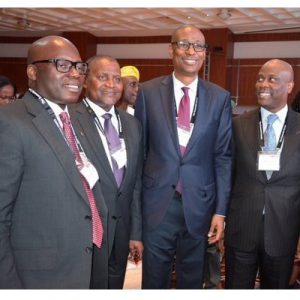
(144, 21)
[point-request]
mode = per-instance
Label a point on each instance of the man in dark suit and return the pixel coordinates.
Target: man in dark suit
(46, 233)
(186, 176)
(122, 195)
(263, 224)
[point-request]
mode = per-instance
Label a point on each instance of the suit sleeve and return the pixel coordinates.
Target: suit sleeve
(11, 169)
(136, 206)
(223, 158)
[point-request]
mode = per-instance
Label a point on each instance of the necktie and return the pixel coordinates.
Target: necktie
(184, 113)
(96, 221)
(114, 143)
(269, 135)
(270, 138)
(183, 120)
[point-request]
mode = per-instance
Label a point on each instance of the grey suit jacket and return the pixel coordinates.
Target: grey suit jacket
(45, 235)
(124, 203)
(252, 191)
(205, 168)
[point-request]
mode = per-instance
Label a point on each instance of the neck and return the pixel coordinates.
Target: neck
(186, 80)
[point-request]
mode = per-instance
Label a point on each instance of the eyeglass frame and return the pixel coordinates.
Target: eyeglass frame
(56, 60)
(10, 98)
(203, 47)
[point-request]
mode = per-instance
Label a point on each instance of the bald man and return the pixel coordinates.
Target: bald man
(263, 223)
(46, 232)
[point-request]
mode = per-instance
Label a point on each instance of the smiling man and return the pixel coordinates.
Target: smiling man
(48, 200)
(263, 224)
(187, 170)
(116, 140)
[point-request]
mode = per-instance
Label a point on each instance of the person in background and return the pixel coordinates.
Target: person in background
(7, 90)
(118, 162)
(263, 224)
(51, 204)
(130, 78)
(187, 169)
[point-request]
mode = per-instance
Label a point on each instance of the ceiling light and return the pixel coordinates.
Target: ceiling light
(224, 14)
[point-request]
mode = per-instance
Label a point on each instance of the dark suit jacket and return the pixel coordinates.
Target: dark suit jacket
(124, 203)
(44, 232)
(205, 168)
(252, 191)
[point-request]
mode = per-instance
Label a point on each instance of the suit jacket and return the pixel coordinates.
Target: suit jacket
(252, 191)
(124, 203)
(205, 168)
(45, 232)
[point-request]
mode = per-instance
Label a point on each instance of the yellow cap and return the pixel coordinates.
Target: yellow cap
(130, 71)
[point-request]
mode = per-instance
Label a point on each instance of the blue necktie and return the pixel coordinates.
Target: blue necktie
(269, 135)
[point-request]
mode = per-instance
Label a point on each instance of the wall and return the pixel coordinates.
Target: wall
(234, 59)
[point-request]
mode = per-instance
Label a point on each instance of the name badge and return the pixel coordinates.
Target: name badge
(88, 171)
(120, 155)
(184, 134)
(268, 161)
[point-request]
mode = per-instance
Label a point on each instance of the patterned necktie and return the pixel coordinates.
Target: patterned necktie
(96, 221)
(269, 135)
(183, 119)
(270, 138)
(114, 143)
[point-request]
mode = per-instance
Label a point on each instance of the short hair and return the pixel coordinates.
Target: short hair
(6, 81)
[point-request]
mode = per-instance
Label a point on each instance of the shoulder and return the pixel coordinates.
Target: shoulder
(213, 88)
(155, 82)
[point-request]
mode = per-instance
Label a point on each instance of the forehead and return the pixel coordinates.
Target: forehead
(58, 50)
(129, 79)
(105, 66)
(7, 88)
(189, 33)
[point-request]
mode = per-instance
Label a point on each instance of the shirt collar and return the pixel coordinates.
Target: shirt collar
(99, 111)
(281, 114)
(178, 84)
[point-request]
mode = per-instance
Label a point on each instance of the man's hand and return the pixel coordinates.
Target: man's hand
(216, 229)
(136, 250)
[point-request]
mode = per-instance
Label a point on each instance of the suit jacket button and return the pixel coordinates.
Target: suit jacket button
(88, 249)
(88, 217)
(119, 194)
(174, 186)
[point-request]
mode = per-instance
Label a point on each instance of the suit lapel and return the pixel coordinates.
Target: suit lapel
(167, 99)
(290, 145)
(56, 142)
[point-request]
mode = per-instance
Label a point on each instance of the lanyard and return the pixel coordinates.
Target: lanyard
(280, 141)
(193, 117)
(97, 121)
(52, 115)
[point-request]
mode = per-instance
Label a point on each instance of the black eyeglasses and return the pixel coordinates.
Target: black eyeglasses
(185, 45)
(65, 65)
(10, 98)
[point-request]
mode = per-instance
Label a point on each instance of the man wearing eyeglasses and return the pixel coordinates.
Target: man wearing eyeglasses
(52, 212)
(187, 170)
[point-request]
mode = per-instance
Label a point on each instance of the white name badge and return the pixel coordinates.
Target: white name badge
(268, 161)
(88, 171)
(120, 155)
(184, 135)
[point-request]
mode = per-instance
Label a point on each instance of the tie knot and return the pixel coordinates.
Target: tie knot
(272, 118)
(107, 116)
(185, 90)
(64, 117)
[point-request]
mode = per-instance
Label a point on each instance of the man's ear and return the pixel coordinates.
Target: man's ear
(171, 51)
(31, 72)
(290, 86)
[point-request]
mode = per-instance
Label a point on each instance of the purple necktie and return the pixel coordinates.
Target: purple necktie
(96, 221)
(183, 120)
(114, 143)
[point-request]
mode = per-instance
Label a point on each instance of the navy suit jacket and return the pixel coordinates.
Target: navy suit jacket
(205, 168)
